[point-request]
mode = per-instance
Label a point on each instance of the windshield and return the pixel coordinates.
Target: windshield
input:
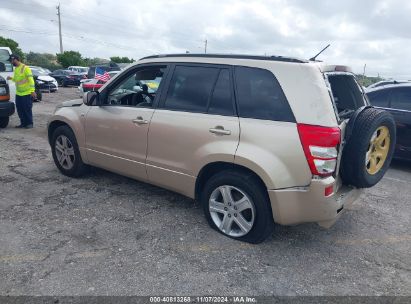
(4, 57)
(37, 72)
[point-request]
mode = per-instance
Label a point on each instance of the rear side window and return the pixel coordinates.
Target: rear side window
(260, 95)
(190, 88)
(221, 102)
(379, 98)
(401, 99)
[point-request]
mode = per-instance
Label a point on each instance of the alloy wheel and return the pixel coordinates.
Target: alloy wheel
(65, 152)
(232, 210)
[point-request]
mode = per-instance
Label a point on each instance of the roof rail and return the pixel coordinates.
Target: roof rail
(272, 58)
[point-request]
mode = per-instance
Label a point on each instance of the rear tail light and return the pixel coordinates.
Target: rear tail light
(320, 148)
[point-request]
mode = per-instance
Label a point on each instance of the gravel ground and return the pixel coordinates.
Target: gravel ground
(105, 234)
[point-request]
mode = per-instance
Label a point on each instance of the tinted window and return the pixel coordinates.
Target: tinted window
(190, 88)
(260, 95)
(379, 98)
(401, 99)
(221, 102)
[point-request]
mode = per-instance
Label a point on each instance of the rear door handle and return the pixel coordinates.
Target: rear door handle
(140, 121)
(219, 130)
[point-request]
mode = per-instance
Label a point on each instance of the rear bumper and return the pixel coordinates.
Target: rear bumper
(6, 108)
(309, 204)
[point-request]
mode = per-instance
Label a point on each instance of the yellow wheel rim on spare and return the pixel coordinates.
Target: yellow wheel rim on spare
(377, 150)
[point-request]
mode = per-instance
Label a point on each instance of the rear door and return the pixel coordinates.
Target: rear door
(346, 96)
(400, 108)
(195, 124)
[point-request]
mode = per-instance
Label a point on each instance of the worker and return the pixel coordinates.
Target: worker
(25, 91)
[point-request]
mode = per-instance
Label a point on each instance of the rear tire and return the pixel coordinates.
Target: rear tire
(4, 121)
(370, 148)
(248, 215)
(66, 154)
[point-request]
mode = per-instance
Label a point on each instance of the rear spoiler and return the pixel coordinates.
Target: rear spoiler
(333, 68)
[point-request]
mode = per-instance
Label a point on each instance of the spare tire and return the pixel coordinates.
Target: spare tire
(369, 147)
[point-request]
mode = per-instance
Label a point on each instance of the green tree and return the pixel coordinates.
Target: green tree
(69, 58)
(13, 45)
(367, 80)
(118, 59)
(95, 61)
(44, 60)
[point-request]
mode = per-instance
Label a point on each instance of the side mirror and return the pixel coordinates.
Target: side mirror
(2, 67)
(91, 98)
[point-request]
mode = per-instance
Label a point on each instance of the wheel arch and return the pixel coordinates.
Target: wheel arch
(78, 133)
(215, 167)
(53, 125)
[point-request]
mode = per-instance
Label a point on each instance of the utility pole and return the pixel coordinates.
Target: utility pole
(205, 46)
(61, 38)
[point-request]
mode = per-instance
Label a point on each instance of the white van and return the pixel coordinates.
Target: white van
(5, 53)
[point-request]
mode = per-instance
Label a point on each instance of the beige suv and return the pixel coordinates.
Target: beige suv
(256, 140)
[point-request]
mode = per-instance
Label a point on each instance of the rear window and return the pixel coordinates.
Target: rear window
(259, 95)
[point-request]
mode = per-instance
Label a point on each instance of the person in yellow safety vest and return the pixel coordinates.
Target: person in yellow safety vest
(25, 91)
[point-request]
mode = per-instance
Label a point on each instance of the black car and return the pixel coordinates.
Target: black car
(6, 106)
(66, 77)
(397, 100)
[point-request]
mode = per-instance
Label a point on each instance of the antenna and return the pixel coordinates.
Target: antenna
(313, 58)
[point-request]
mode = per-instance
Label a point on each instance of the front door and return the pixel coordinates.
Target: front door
(116, 131)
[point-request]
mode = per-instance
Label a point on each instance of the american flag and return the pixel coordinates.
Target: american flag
(102, 75)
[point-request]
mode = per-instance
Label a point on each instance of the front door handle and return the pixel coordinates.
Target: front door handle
(140, 121)
(219, 130)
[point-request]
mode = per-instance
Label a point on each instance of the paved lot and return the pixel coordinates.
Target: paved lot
(108, 235)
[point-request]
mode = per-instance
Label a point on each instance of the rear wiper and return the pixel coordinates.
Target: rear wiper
(346, 113)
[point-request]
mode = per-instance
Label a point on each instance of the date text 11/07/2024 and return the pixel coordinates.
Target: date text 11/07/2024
(203, 299)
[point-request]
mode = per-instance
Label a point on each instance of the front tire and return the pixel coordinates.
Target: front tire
(66, 154)
(237, 205)
(4, 121)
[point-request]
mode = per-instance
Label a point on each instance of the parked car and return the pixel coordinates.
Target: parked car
(66, 77)
(94, 84)
(302, 154)
(397, 100)
(78, 69)
(7, 69)
(6, 106)
(385, 82)
(43, 80)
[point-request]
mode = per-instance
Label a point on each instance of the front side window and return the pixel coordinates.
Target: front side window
(190, 88)
(379, 98)
(260, 95)
(138, 89)
(401, 99)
